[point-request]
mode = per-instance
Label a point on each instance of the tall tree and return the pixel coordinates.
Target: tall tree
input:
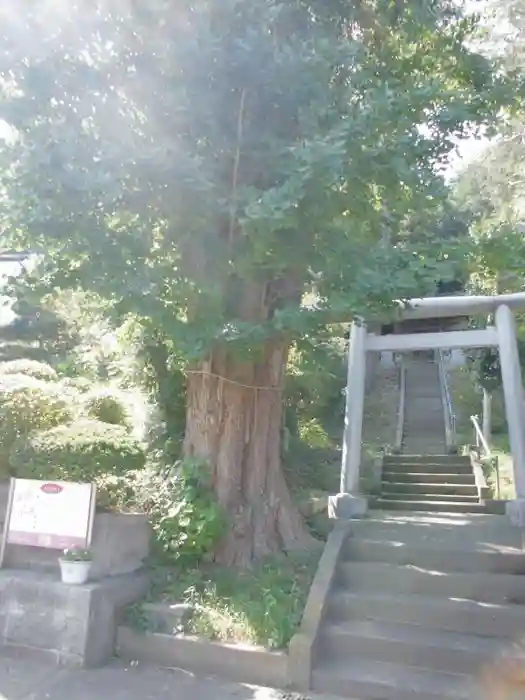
(490, 189)
(205, 163)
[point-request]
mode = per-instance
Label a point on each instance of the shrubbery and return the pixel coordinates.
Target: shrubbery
(109, 407)
(186, 519)
(30, 368)
(26, 405)
(82, 451)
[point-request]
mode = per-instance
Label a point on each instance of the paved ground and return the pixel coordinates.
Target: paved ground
(24, 679)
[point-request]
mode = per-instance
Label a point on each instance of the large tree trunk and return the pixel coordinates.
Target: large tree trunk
(233, 421)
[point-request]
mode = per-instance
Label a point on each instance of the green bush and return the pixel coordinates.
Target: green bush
(30, 368)
(109, 407)
(26, 405)
(82, 451)
(186, 519)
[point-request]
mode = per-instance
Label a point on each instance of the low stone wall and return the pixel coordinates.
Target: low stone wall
(303, 645)
(235, 662)
(71, 625)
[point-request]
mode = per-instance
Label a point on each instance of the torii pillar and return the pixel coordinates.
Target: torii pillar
(349, 503)
(514, 406)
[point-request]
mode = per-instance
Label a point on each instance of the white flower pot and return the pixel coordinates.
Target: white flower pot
(74, 573)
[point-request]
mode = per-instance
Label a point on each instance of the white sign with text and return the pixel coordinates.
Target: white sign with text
(51, 514)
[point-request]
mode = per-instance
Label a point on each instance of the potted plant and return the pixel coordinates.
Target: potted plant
(75, 564)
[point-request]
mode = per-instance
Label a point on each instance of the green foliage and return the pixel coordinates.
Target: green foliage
(326, 163)
(109, 407)
(26, 405)
(77, 554)
(467, 400)
(81, 451)
(186, 519)
(31, 368)
(261, 606)
(313, 433)
(164, 376)
(490, 189)
(316, 374)
(80, 332)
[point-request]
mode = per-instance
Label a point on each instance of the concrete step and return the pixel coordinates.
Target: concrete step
(430, 402)
(418, 389)
(377, 577)
(421, 428)
(428, 477)
(439, 542)
(426, 459)
(430, 444)
(428, 467)
(430, 377)
(465, 616)
(409, 495)
(428, 448)
(410, 645)
(431, 395)
(425, 506)
(423, 383)
(379, 680)
(395, 487)
(431, 405)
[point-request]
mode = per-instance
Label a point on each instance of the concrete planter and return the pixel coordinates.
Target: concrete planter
(74, 573)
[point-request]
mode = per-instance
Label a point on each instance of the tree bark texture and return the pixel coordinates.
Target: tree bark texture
(233, 422)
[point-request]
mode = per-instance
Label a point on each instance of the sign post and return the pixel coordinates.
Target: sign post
(48, 514)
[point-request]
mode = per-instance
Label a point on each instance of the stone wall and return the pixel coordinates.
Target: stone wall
(73, 625)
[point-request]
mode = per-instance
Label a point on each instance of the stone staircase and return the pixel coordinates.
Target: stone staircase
(429, 588)
(422, 603)
(430, 483)
(424, 420)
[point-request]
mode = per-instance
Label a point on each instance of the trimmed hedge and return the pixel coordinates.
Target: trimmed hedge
(30, 368)
(82, 451)
(109, 407)
(26, 405)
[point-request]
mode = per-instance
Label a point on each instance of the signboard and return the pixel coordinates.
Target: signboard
(51, 514)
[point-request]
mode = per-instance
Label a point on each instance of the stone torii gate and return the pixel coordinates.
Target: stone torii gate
(349, 503)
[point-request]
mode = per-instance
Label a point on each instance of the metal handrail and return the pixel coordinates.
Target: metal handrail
(480, 438)
(481, 442)
(450, 416)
